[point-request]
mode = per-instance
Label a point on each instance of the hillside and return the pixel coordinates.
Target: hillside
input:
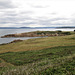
(67, 27)
(42, 56)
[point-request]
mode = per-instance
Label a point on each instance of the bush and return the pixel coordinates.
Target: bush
(59, 31)
(66, 33)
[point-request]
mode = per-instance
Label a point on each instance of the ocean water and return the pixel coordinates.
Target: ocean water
(13, 31)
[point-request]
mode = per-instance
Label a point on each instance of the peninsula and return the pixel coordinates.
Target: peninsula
(38, 34)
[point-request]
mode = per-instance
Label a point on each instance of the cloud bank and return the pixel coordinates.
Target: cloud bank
(40, 13)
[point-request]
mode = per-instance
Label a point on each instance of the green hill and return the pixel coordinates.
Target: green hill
(42, 56)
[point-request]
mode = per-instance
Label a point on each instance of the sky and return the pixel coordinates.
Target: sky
(37, 13)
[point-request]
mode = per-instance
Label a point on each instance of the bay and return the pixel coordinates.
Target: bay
(14, 31)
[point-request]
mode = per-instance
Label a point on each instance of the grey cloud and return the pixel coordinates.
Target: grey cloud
(4, 4)
(12, 13)
(53, 13)
(56, 19)
(73, 21)
(48, 22)
(15, 19)
(26, 23)
(38, 6)
(27, 12)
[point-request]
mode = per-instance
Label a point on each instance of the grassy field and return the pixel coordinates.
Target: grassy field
(42, 56)
(38, 44)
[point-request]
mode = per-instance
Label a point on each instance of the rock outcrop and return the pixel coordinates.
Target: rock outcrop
(36, 34)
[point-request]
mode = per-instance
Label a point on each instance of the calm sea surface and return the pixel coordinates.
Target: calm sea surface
(13, 31)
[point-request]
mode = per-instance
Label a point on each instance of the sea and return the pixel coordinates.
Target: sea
(14, 31)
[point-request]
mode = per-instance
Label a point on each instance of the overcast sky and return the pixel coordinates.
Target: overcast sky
(37, 13)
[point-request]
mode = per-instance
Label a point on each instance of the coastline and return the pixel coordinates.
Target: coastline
(37, 34)
(14, 41)
(37, 53)
(12, 38)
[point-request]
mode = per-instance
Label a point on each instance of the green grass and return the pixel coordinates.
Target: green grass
(52, 32)
(38, 44)
(64, 69)
(49, 61)
(20, 58)
(42, 56)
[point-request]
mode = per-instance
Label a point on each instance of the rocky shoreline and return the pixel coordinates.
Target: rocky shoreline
(36, 34)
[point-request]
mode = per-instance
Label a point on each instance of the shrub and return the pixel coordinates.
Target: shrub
(66, 33)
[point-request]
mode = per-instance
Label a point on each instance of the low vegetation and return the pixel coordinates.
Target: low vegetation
(47, 61)
(42, 56)
(38, 44)
(38, 34)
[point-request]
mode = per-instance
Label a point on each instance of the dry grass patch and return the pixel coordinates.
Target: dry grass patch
(38, 44)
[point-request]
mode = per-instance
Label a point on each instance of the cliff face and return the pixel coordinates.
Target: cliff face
(36, 34)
